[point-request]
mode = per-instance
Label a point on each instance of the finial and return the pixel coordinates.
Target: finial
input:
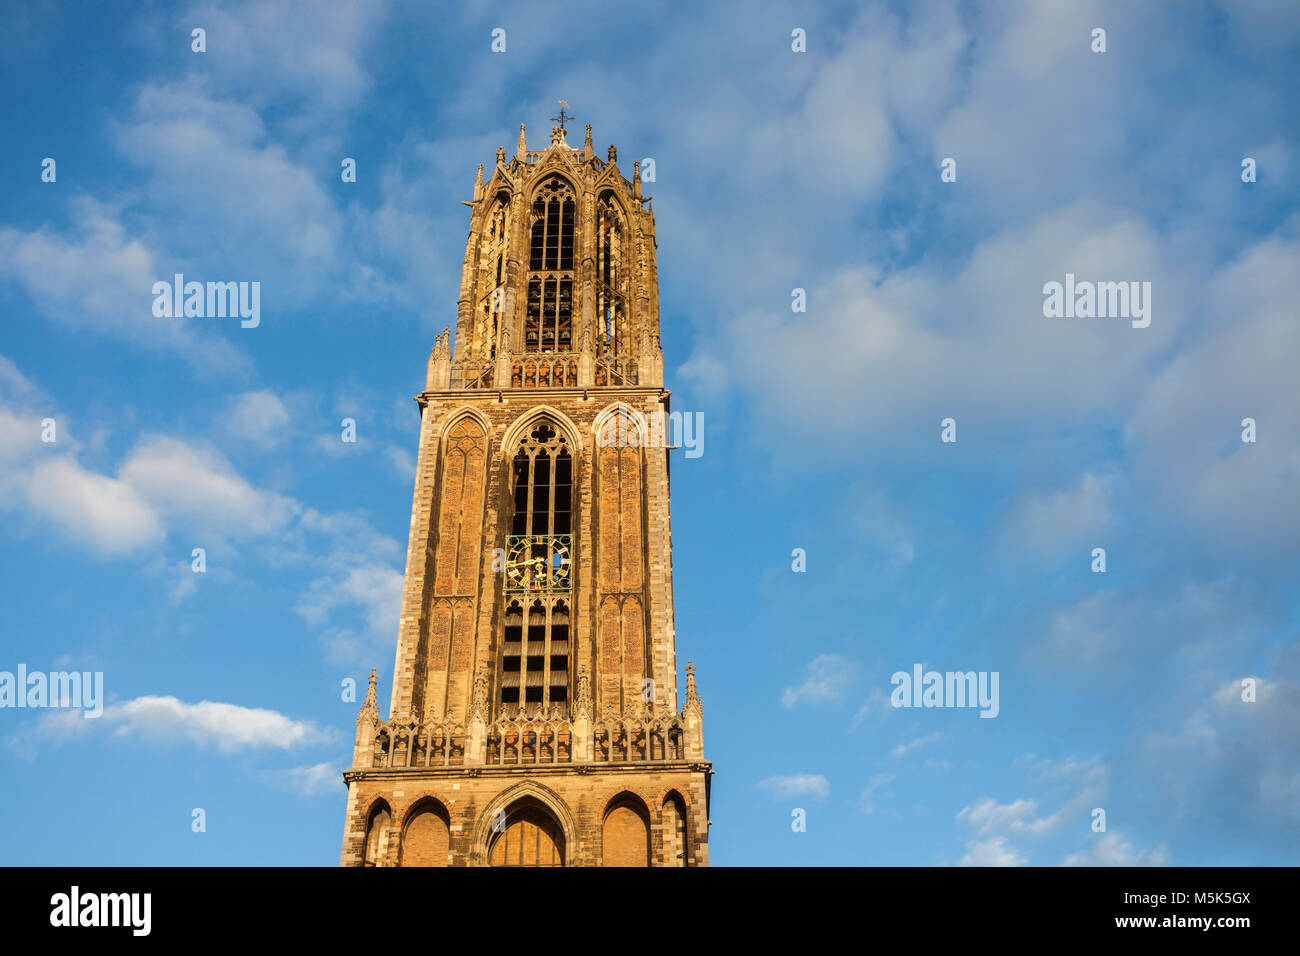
(587, 151)
(582, 699)
(370, 704)
(613, 154)
(478, 183)
(478, 705)
(692, 694)
(522, 150)
(636, 179)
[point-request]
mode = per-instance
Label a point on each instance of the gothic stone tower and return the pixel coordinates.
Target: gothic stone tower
(534, 717)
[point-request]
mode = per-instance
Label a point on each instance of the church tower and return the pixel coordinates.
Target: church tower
(535, 717)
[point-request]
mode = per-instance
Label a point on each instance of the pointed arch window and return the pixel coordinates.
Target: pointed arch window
(492, 253)
(611, 292)
(548, 319)
(535, 649)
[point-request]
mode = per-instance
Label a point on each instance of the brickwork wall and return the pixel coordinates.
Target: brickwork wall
(426, 840)
(625, 836)
(577, 801)
(622, 628)
(445, 638)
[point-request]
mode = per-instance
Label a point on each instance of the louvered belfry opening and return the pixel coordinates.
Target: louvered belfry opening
(548, 322)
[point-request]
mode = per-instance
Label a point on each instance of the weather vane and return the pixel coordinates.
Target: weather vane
(563, 117)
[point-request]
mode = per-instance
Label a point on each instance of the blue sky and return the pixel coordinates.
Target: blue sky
(775, 170)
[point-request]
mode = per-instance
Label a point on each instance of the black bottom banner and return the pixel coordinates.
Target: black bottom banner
(1220, 906)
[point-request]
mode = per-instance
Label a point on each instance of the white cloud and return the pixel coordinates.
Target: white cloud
(401, 461)
(1111, 849)
(259, 417)
(1002, 829)
(201, 489)
(375, 588)
(1059, 520)
(877, 519)
(309, 781)
(1186, 432)
(796, 785)
(102, 279)
(355, 599)
(877, 702)
(828, 674)
(1115, 635)
(109, 514)
(1230, 762)
(226, 728)
(867, 800)
(287, 52)
(197, 152)
(994, 851)
(904, 748)
(988, 815)
(853, 366)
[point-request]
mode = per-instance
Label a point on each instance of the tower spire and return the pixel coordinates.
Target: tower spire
(370, 705)
(692, 692)
(514, 675)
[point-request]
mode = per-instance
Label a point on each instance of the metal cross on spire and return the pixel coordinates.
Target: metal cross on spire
(563, 117)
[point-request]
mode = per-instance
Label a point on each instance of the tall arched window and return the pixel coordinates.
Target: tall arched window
(539, 575)
(611, 298)
(625, 836)
(674, 831)
(427, 838)
(375, 850)
(548, 322)
(491, 304)
(531, 837)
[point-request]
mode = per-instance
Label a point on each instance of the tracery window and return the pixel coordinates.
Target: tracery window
(611, 298)
(539, 575)
(491, 304)
(548, 321)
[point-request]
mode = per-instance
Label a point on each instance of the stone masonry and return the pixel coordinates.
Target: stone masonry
(534, 716)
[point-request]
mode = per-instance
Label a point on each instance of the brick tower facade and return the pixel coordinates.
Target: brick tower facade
(534, 717)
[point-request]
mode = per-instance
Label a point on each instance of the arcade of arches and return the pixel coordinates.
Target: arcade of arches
(528, 834)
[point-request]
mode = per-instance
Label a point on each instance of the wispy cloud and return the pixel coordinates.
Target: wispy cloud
(813, 785)
(209, 725)
(828, 675)
(312, 780)
(904, 748)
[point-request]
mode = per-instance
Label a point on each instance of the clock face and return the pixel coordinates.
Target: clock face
(538, 564)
